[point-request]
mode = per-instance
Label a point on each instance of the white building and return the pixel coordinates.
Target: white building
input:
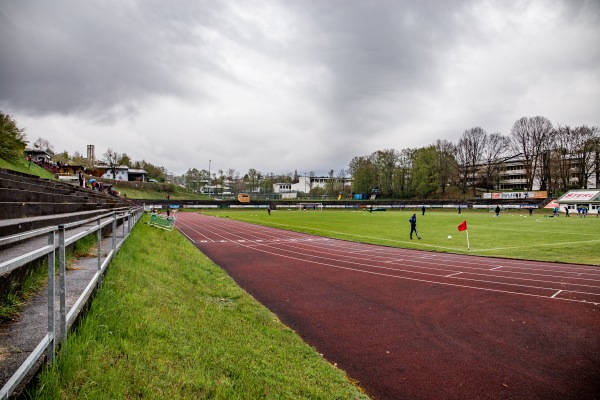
(306, 183)
(574, 199)
(121, 172)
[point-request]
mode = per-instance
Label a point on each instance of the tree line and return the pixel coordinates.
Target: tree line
(557, 158)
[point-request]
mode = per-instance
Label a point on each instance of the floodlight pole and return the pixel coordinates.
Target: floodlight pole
(209, 161)
(305, 196)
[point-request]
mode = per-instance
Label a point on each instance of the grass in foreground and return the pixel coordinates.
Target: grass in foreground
(513, 235)
(168, 323)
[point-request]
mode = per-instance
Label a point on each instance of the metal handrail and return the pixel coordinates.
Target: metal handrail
(48, 343)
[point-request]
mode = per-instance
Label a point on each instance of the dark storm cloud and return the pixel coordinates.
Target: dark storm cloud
(95, 56)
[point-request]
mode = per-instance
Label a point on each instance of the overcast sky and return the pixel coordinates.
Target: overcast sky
(285, 85)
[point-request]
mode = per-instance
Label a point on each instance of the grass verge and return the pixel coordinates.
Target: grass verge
(168, 323)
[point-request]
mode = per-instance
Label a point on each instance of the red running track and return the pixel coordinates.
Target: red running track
(411, 324)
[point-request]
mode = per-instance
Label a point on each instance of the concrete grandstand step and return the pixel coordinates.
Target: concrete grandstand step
(32, 185)
(17, 195)
(10, 210)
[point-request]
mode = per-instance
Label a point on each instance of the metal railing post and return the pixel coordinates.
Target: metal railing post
(99, 245)
(123, 226)
(51, 280)
(114, 232)
(128, 222)
(62, 287)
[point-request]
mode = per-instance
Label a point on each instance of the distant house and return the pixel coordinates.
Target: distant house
(69, 169)
(307, 183)
(121, 172)
(39, 156)
(137, 175)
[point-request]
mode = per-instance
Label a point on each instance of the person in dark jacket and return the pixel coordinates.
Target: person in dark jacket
(413, 226)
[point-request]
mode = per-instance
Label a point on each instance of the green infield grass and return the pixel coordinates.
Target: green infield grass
(514, 234)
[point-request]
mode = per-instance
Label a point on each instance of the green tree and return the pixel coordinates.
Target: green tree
(125, 160)
(62, 157)
(362, 170)
(425, 173)
(386, 162)
(252, 179)
(12, 139)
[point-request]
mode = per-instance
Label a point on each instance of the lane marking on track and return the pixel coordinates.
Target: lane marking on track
(495, 268)
(458, 273)
(487, 289)
(358, 269)
(187, 236)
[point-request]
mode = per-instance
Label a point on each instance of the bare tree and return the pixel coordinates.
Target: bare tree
(111, 158)
(585, 145)
(494, 151)
(461, 154)
(44, 144)
(446, 162)
(561, 157)
(472, 143)
(529, 138)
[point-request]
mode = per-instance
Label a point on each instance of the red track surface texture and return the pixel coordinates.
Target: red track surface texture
(417, 325)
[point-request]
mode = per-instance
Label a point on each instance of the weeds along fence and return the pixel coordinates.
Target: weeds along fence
(57, 243)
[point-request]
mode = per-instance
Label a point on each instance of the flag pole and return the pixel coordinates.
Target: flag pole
(468, 245)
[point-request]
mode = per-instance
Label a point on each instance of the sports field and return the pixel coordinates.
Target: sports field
(514, 234)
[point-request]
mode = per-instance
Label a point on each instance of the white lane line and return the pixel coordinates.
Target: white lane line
(555, 294)
(493, 269)
(458, 273)
(337, 266)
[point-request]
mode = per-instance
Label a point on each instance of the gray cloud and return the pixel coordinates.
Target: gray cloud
(278, 85)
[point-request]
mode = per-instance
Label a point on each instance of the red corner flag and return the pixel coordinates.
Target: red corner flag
(462, 226)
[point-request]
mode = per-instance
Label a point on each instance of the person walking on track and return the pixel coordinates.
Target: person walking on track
(413, 226)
